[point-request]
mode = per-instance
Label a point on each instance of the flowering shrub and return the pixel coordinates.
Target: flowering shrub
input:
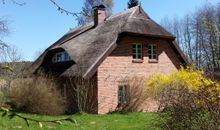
(190, 100)
(190, 79)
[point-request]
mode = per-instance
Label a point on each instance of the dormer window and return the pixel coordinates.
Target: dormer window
(61, 57)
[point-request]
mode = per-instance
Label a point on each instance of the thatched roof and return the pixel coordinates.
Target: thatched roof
(89, 45)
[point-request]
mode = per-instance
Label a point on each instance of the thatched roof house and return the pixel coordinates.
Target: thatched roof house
(89, 45)
(124, 44)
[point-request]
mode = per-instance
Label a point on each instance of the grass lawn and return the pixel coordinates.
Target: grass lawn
(129, 121)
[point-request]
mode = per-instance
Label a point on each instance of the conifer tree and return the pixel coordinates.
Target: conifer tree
(132, 3)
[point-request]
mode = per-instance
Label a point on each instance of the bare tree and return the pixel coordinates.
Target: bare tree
(199, 36)
(4, 30)
(175, 27)
(10, 56)
(187, 34)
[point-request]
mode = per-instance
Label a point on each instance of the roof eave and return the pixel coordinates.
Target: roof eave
(91, 71)
(148, 35)
(183, 56)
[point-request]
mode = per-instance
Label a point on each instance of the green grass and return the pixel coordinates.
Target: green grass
(129, 121)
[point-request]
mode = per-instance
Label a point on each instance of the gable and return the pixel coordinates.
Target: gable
(123, 48)
(120, 62)
(140, 14)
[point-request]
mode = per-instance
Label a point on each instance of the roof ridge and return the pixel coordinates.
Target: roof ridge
(91, 24)
(123, 12)
(80, 27)
(133, 9)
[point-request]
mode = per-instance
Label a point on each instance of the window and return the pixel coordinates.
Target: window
(122, 94)
(64, 91)
(61, 57)
(152, 52)
(137, 51)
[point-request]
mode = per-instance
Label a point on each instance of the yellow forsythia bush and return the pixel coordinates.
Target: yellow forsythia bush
(190, 79)
(187, 98)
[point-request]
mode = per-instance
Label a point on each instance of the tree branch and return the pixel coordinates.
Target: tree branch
(62, 10)
(11, 115)
(14, 2)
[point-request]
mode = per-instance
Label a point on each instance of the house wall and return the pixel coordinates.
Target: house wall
(119, 64)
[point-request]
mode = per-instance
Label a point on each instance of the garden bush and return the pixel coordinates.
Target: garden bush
(37, 94)
(83, 94)
(187, 99)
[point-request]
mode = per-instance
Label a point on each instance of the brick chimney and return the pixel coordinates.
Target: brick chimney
(99, 15)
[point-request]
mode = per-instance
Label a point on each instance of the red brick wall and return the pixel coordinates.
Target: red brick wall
(119, 64)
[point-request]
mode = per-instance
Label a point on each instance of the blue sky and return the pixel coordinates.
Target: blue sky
(38, 24)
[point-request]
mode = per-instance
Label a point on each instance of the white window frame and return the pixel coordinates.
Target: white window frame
(135, 51)
(61, 57)
(151, 50)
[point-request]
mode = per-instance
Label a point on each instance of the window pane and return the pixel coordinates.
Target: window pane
(137, 51)
(134, 46)
(133, 51)
(63, 56)
(59, 57)
(152, 51)
(119, 94)
(67, 57)
(134, 56)
(122, 94)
